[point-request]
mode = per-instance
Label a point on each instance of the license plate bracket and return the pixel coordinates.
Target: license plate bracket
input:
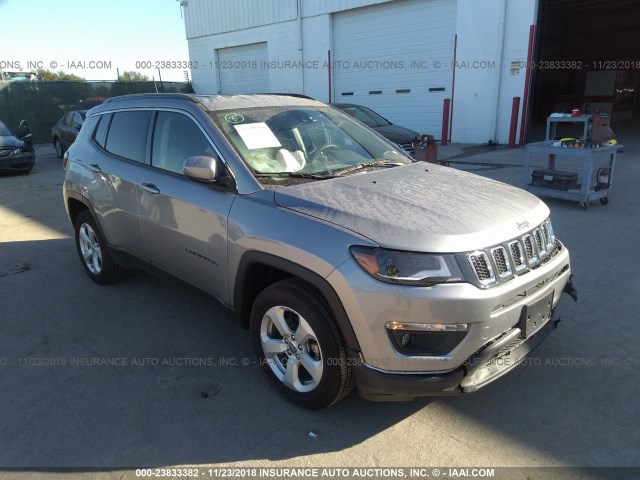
(533, 317)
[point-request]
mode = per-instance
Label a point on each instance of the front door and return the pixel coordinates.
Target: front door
(184, 222)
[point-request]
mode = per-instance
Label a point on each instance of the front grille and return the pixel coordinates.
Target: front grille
(407, 147)
(499, 263)
(5, 151)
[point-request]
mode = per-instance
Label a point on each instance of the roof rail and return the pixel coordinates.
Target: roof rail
(296, 95)
(182, 96)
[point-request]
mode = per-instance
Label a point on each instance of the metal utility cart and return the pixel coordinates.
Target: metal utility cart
(585, 159)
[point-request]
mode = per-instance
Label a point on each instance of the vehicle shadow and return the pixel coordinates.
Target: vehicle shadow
(144, 373)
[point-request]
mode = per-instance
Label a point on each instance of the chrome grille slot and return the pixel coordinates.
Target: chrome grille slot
(541, 243)
(482, 268)
(517, 255)
(501, 261)
(548, 231)
(530, 250)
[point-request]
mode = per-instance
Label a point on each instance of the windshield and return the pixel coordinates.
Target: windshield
(304, 140)
(4, 131)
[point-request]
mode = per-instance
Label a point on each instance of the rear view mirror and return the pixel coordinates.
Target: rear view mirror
(201, 169)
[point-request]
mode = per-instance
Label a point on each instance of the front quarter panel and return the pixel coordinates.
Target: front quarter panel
(257, 224)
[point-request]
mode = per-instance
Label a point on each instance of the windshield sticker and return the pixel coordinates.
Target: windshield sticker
(234, 118)
(257, 135)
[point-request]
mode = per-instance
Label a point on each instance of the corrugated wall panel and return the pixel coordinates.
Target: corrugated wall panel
(389, 58)
(319, 7)
(206, 17)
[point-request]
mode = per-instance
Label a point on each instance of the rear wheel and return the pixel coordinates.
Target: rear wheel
(93, 252)
(299, 344)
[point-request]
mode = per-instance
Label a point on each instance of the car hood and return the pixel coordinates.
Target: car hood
(419, 207)
(396, 133)
(10, 142)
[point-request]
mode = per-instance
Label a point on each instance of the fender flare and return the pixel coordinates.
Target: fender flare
(293, 269)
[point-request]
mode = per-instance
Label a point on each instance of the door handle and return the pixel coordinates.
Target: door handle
(150, 188)
(94, 167)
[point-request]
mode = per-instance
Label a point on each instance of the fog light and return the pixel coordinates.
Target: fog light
(429, 327)
(426, 339)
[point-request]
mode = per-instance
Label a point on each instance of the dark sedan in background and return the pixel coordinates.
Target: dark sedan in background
(64, 132)
(395, 133)
(16, 150)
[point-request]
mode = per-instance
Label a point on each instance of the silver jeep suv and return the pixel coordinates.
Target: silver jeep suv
(350, 263)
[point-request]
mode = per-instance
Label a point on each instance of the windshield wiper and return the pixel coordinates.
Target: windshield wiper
(361, 166)
(313, 176)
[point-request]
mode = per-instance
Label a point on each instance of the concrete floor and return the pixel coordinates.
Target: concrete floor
(578, 407)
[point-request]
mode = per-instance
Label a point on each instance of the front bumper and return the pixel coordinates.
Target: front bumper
(22, 162)
(493, 362)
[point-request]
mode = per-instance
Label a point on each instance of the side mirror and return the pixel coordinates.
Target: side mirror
(201, 169)
(23, 130)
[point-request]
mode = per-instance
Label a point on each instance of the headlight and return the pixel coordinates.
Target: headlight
(407, 268)
(16, 151)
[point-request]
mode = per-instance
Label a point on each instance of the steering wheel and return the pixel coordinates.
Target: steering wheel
(322, 151)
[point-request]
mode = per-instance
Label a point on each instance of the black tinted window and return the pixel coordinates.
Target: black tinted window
(176, 137)
(101, 132)
(127, 136)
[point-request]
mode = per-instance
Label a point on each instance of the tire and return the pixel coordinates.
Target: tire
(58, 146)
(312, 370)
(93, 252)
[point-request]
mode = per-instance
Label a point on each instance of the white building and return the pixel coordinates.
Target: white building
(402, 58)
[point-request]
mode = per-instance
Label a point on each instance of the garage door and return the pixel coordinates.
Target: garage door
(239, 69)
(396, 58)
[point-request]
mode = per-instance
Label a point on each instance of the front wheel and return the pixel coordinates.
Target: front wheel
(299, 344)
(93, 252)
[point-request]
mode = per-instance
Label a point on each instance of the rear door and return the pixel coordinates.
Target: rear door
(120, 141)
(184, 222)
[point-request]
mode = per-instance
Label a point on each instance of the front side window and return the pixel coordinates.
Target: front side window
(303, 140)
(127, 137)
(175, 138)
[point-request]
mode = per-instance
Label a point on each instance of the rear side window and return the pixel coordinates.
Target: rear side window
(127, 135)
(100, 136)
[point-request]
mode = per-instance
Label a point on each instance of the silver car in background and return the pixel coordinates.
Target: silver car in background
(350, 263)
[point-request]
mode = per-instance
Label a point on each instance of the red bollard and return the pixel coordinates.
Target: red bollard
(515, 109)
(445, 121)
